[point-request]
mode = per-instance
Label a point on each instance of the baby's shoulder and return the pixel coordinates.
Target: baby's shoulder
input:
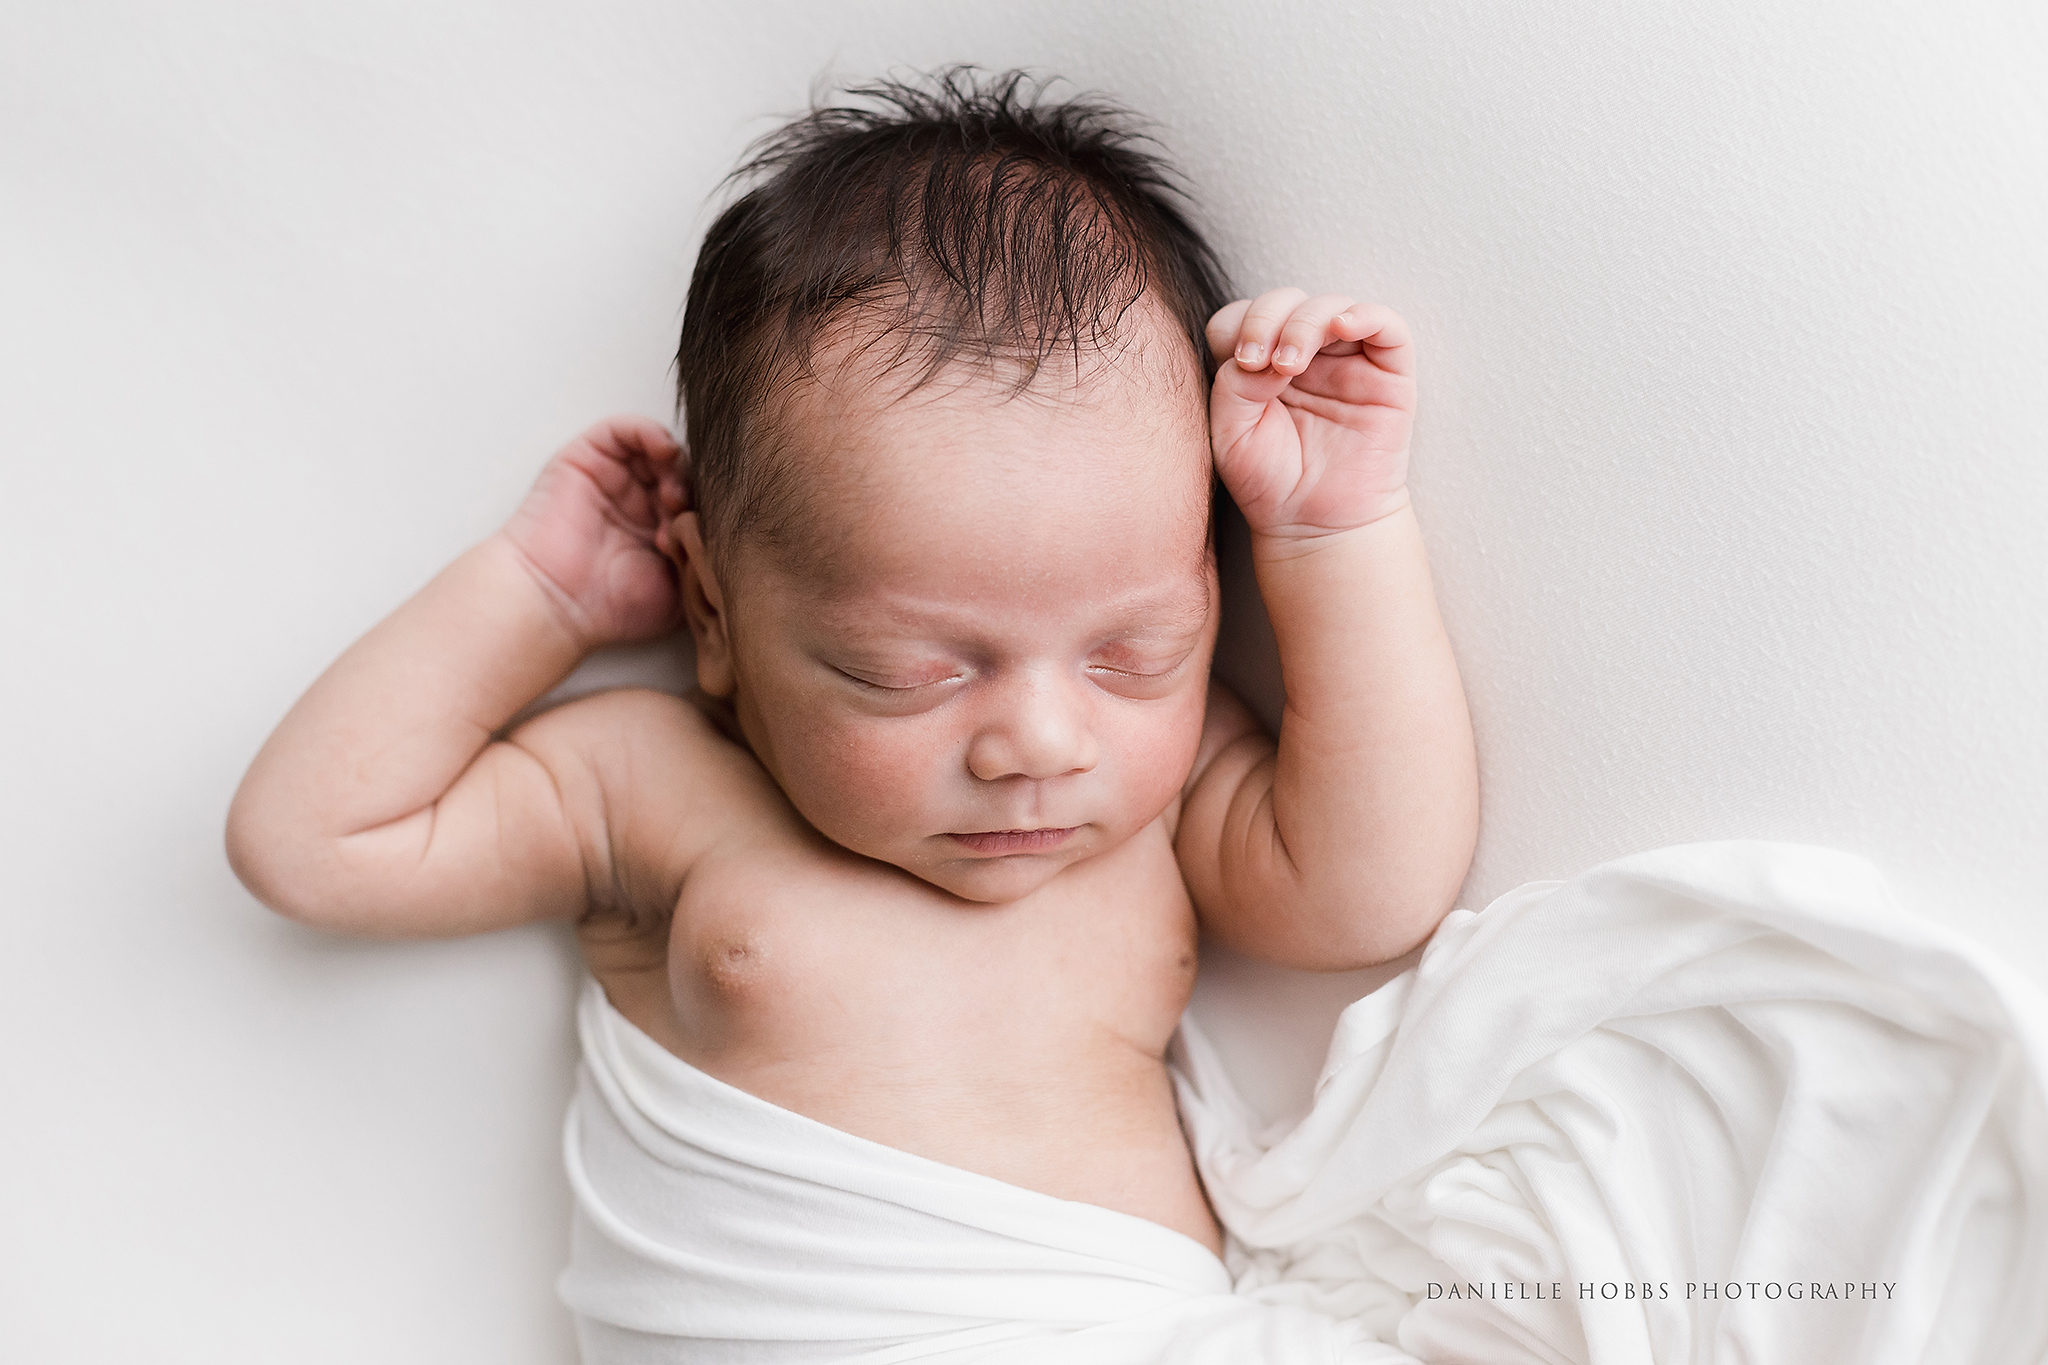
(600, 729)
(659, 778)
(621, 728)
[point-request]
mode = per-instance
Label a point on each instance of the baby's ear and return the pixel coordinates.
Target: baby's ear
(703, 605)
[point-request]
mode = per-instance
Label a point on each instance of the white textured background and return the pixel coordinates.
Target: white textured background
(1732, 318)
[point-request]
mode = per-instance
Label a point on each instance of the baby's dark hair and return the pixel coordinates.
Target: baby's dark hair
(963, 219)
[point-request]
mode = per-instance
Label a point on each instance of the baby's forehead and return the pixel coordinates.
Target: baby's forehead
(967, 445)
(1050, 491)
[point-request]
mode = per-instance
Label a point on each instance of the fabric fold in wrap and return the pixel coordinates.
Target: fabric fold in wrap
(1737, 1064)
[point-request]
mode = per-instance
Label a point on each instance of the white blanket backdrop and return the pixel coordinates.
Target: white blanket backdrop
(1732, 319)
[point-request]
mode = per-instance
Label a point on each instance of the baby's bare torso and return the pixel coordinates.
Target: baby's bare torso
(1022, 1041)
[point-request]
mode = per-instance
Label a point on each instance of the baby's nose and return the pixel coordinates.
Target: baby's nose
(1036, 729)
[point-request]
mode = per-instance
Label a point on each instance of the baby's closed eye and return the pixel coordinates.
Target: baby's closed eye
(1139, 671)
(899, 679)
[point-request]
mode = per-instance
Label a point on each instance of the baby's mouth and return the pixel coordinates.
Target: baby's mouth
(1015, 840)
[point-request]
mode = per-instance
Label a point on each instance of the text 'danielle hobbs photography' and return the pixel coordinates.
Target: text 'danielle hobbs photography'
(1635, 1291)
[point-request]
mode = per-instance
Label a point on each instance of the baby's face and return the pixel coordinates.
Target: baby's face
(993, 661)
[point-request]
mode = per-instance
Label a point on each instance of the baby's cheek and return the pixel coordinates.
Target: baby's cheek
(875, 778)
(1164, 752)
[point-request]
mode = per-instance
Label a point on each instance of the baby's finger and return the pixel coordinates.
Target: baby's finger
(1261, 324)
(1382, 332)
(669, 486)
(623, 438)
(1222, 329)
(1307, 331)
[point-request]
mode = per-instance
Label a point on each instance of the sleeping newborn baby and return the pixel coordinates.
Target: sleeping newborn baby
(918, 869)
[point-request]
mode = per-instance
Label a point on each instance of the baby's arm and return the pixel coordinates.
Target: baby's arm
(1344, 843)
(385, 803)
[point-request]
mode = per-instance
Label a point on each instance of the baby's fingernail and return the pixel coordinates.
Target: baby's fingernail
(1251, 352)
(1286, 355)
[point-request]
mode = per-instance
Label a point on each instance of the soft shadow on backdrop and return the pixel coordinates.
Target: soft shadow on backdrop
(1732, 322)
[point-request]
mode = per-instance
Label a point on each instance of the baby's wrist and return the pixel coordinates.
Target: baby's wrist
(546, 601)
(1282, 532)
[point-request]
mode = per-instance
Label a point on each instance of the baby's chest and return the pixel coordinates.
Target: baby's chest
(787, 954)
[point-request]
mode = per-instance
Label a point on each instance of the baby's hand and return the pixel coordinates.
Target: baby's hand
(591, 529)
(1311, 412)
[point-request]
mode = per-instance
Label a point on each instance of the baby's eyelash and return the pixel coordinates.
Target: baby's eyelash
(1138, 672)
(887, 687)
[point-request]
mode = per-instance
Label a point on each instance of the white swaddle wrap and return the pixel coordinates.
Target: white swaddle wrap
(715, 1228)
(1735, 1064)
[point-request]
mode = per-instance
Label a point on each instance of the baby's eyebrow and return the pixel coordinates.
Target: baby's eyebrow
(1182, 613)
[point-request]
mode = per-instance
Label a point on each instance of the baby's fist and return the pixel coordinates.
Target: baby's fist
(1312, 409)
(589, 530)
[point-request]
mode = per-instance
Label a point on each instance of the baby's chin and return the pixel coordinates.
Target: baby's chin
(1010, 879)
(994, 879)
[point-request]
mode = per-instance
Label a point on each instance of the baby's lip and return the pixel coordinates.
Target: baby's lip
(1014, 840)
